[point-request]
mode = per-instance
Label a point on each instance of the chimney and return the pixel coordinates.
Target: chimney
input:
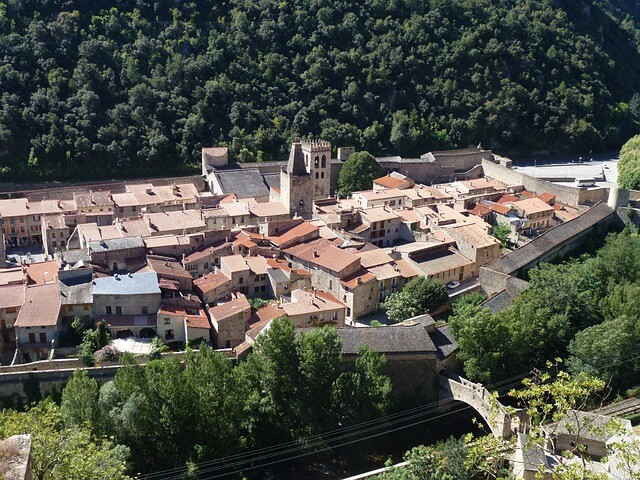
(59, 204)
(316, 254)
(358, 280)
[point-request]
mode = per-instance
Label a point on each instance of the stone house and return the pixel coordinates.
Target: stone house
(391, 197)
(536, 214)
(475, 244)
(207, 259)
(171, 274)
(38, 323)
(230, 321)
(128, 303)
(384, 226)
(212, 287)
(179, 324)
(416, 351)
(76, 295)
(314, 308)
(248, 275)
(117, 254)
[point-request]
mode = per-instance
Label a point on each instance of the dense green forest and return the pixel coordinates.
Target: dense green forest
(116, 88)
(585, 310)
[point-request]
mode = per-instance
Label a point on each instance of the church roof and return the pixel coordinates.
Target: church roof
(295, 165)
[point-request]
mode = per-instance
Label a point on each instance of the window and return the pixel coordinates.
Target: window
(286, 286)
(263, 288)
(108, 310)
(43, 337)
(54, 243)
(241, 280)
(324, 162)
(256, 289)
(145, 310)
(53, 235)
(330, 284)
(316, 162)
(169, 335)
(118, 310)
(227, 344)
(10, 310)
(85, 307)
(167, 321)
(32, 338)
(121, 210)
(317, 175)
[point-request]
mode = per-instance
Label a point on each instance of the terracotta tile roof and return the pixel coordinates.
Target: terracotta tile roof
(384, 272)
(270, 209)
(378, 214)
(196, 317)
(392, 182)
(17, 207)
(205, 252)
(168, 221)
(11, 276)
(547, 197)
(57, 206)
(372, 258)
(167, 267)
(43, 272)
(301, 230)
(505, 198)
(527, 194)
(41, 307)
(304, 302)
(232, 307)
(211, 281)
(215, 151)
(94, 199)
(532, 205)
(12, 296)
(265, 314)
(380, 194)
(501, 209)
(364, 276)
(480, 210)
(126, 199)
(321, 252)
(406, 270)
(408, 215)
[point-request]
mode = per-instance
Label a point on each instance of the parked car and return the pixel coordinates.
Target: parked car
(452, 285)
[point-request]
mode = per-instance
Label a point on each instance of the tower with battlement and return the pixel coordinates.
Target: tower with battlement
(317, 159)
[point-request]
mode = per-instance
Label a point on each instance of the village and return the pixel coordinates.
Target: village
(185, 261)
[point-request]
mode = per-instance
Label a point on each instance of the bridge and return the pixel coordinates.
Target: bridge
(502, 420)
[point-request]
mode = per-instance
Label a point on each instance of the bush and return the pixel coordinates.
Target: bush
(108, 354)
(257, 303)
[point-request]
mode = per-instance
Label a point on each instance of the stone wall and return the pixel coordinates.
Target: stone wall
(65, 191)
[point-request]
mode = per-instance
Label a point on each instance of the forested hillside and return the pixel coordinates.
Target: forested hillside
(115, 88)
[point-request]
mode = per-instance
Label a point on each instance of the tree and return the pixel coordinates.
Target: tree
(93, 341)
(420, 295)
(358, 173)
(79, 406)
(502, 232)
(60, 452)
(629, 164)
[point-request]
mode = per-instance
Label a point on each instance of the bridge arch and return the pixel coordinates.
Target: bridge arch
(502, 421)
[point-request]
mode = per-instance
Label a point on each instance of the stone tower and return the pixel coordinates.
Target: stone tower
(317, 159)
(297, 184)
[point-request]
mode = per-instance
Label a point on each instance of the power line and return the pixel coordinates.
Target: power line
(339, 434)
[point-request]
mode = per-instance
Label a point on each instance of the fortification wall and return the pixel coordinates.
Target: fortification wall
(564, 193)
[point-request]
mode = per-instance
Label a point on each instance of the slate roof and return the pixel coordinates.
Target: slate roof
(295, 165)
(525, 255)
(131, 284)
(244, 183)
(394, 339)
(498, 302)
(115, 244)
(76, 291)
(272, 180)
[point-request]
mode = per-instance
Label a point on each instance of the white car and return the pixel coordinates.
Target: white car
(452, 285)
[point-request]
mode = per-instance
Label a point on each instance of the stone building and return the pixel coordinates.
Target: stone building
(76, 295)
(128, 303)
(178, 324)
(230, 321)
(416, 351)
(314, 308)
(117, 254)
(38, 323)
(296, 184)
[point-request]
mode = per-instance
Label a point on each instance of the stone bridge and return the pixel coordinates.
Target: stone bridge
(503, 421)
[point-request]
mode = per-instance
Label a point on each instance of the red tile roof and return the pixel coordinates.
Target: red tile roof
(508, 198)
(195, 317)
(233, 307)
(41, 307)
(211, 281)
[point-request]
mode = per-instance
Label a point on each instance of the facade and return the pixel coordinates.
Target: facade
(314, 308)
(128, 303)
(178, 325)
(230, 321)
(38, 323)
